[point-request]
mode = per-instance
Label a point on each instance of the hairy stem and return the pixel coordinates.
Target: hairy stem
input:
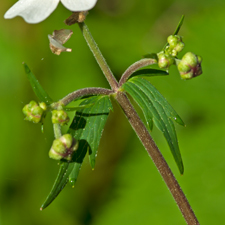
(140, 128)
(83, 92)
(157, 158)
(134, 67)
(98, 56)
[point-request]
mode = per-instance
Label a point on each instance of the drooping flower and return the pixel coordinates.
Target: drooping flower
(35, 11)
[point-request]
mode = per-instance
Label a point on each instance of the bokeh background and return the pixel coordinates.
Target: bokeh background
(125, 187)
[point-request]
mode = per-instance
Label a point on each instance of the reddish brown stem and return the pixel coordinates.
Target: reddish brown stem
(157, 158)
(134, 67)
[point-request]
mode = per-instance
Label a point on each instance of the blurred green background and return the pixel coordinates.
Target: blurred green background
(125, 187)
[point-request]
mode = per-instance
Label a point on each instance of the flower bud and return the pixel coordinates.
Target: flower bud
(63, 147)
(165, 60)
(190, 66)
(43, 106)
(173, 40)
(33, 112)
(60, 116)
(175, 45)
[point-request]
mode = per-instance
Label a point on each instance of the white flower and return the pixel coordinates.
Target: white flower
(35, 11)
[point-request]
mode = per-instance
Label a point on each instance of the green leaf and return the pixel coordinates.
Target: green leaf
(60, 182)
(151, 56)
(37, 88)
(150, 73)
(75, 108)
(179, 25)
(86, 127)
(88, 123)
(156, 109)
(176, 31)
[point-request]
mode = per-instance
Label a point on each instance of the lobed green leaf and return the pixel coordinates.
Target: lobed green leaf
(157, 109)
(88, 123)
(86, 127)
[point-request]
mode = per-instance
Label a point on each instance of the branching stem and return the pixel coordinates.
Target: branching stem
(140, 128)
(157, 158)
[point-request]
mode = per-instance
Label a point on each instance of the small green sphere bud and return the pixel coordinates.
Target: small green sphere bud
(63, 147)
(60, 116)
(190, 66)
(179, 47)
(175, 45)
(164, 60)
(33, 112)
(173, 40)
(43, 106)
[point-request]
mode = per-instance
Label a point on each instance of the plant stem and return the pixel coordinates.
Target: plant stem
(157, 158)
(140, 128)
(98, 56)
(134, 67)
(57, 130)
(83, 92)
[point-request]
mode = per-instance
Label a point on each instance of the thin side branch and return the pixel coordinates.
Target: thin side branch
(157, 158)
(134, 67)
(83, 92)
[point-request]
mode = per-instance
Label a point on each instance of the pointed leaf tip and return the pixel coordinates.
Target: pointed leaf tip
(156, 108)
(179, 25)
(36, 86)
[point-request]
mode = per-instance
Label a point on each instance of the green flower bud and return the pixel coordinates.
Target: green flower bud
(165, 60)
(179, 47)
(60, 116)
(173, 40)
(190, 66)
(43, 106)
(175, 45)
(33, 112)
(63, 147)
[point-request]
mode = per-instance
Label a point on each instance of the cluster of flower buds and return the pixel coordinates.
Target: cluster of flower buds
(175, 45)
(34, 112)
(63, 148)
(165, 60)
(60, 117)
(189, 66)
(166, 57)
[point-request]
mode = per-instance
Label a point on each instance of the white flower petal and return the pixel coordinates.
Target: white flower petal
(79, 5)
(33, 11)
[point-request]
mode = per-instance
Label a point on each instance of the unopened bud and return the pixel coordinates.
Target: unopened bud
(60, 116)
(33, 112)
(190, 66)
(165, 60)
(175, 45)
(63, 147)
(43, 105)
